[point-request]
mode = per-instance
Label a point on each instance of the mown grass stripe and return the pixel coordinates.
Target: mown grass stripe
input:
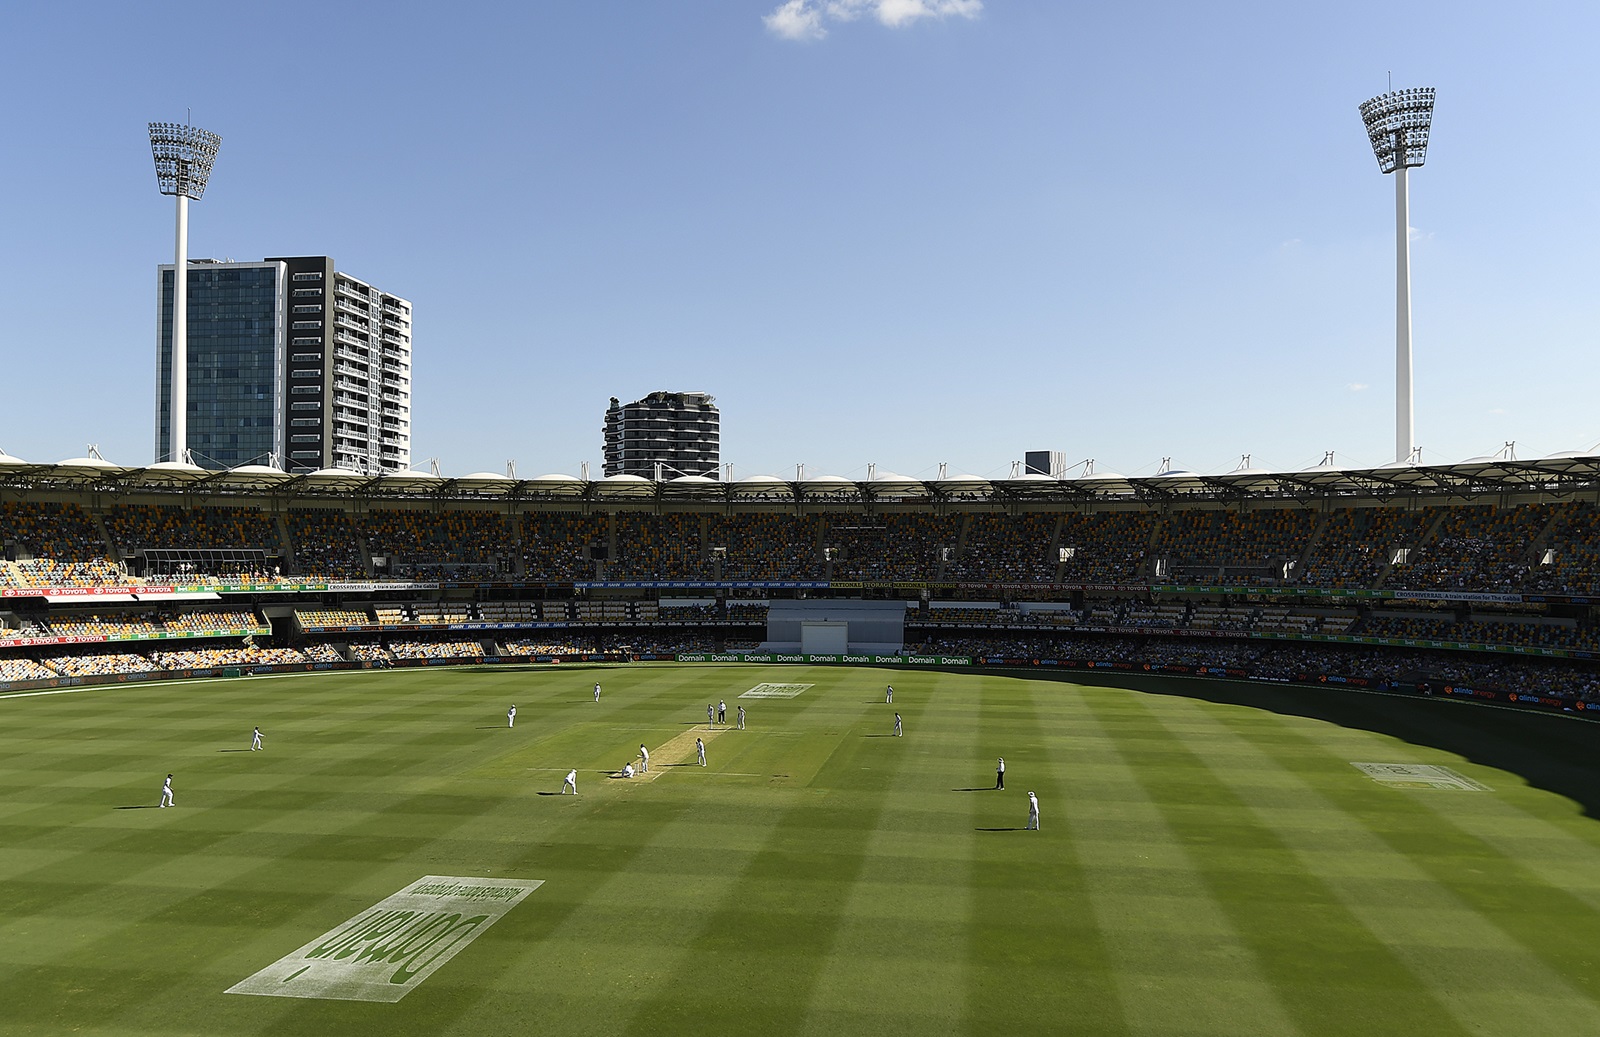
(1035, 943)
(895, 964)
(1198, 977)
(762, 950)
(1333, 973)
(1493, 859)
(1472, 969)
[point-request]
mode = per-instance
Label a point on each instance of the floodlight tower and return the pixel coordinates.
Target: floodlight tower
(1397, 125)
(183, 155)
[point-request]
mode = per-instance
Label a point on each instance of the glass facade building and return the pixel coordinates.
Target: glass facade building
(291, 364)
(236, 349)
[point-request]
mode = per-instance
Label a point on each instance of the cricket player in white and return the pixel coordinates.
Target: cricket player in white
(255, 740)
(1000, 773)
(511, 717)
(1033, 812)
(571, 782)
(700, 751)
(711, 715)
(722, 712)
(741, 718)
(888, 695)
(166, 792)
(897, 725)
(644, 759)
(627, 770)
(597, 691)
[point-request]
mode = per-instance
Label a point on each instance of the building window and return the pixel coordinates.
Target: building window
(305, 422)
(306, 372)
(307, 325)
(307, 293)
(307, 358)
(314, 276)
(313, 308)
(304, 439)
(305, 390)
(305, 406)
(307, 341)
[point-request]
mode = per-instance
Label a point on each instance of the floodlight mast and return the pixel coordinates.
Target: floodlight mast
(184, 155)
(1398, 124)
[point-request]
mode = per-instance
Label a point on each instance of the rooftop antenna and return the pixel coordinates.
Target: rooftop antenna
(1327, 459)
(943, 470)
(433, 466)
(800, 471)
(511, 468)
(583, 468)
(1016, 469)
(94, 451)
(1166, 466)
(727, 471)
(872, 470)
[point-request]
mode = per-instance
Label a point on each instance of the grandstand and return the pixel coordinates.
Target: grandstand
(1491, 566)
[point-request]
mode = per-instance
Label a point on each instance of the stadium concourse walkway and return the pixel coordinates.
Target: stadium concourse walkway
(1203, 867)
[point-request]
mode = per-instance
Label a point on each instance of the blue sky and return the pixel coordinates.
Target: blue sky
(923, 231)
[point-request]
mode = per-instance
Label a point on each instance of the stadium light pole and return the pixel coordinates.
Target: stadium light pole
(1397, 126)
(183, 155)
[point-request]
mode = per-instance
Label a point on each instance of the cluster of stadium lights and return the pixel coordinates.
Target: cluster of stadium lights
(1398, 124)
(184, 156)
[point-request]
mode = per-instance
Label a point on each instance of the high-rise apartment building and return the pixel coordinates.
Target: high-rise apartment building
(290, 361)
(666, 434)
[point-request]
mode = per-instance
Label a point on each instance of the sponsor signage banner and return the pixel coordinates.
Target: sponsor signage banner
(79, 592)
(388, 585)
(682, 584)
(386, 951)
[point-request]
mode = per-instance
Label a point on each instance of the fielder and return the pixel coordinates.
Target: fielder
(166, 792)
(571, 782)
(627, 770)
(711, 715)
(888, 695)
(897, 732)
(511, 717)
(597, 691)
(255, 740)
(1000, 773)
(741, 718)
(1033, 812)
(644, 759)
(700, 751)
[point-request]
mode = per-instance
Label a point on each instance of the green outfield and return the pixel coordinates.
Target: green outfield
(1205, 866)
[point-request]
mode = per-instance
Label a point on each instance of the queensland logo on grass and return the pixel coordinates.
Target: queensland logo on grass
(386, 951)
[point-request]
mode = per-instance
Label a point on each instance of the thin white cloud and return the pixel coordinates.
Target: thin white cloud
(1358, 387)
(796, 20)
(809, 19)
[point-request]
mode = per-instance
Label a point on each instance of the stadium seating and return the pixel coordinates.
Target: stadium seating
(332, 618)
(1006, 549)
(326, 545)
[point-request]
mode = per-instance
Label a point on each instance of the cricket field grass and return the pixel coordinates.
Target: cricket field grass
(397, 860)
